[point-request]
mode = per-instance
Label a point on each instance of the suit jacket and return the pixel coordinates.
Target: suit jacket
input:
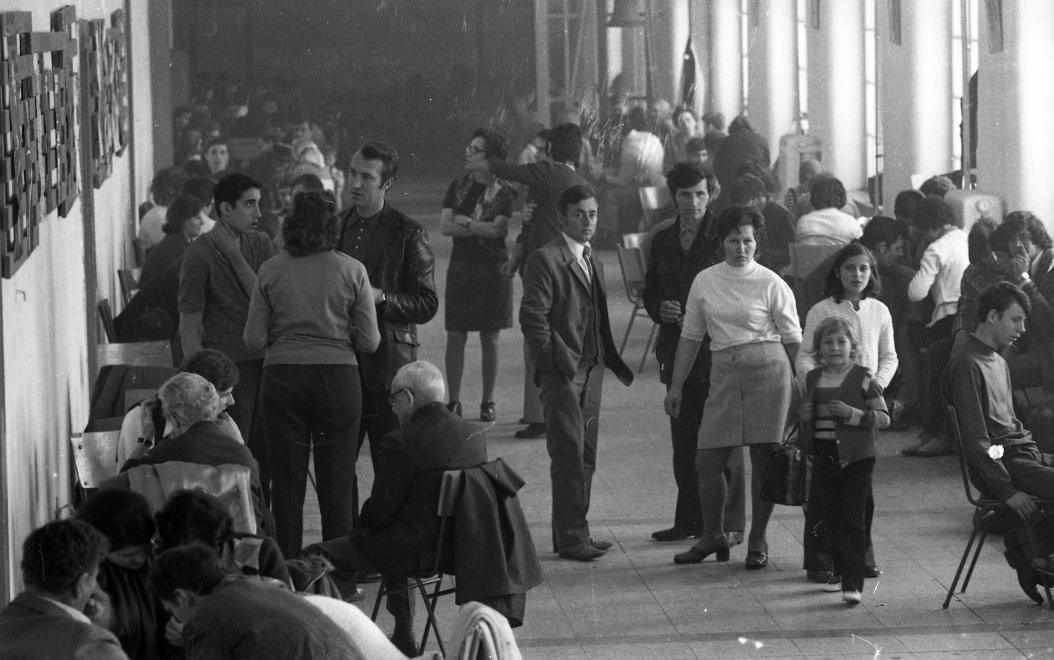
(556, 296)
(670, 274)
(399, 522)
(33, 627)
(401, 264)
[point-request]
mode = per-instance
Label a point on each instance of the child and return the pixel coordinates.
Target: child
(841, 413)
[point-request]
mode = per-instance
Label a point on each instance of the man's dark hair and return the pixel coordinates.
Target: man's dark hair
(637, 119)
(905, 202)
(56, 555)
(194, 516)
(565, 143)
(765, 174)
(183, 208)
(932, 213)
(193, 567)
(201, 187)
(832, 283)
(936, 185)
(982, 240)
(216, 140)
(740, 124)
(214, 366)
(231, 188)
(195, 168)
(826, 192)
(882, 229)
(1016, 222)
(686, 175)
(166, 184)
(122, 515)
(574, 195)
(746, 189)
(384, 152)
(999, 297)
(494, 144)
(735, 217)
(312, 227)
(309, 181)
(695, 145)
(715, 119)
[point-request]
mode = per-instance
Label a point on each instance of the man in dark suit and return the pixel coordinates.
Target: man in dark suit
(564, 318)
(678, 253)
(399, 526)
(62, 612)
(400, 265)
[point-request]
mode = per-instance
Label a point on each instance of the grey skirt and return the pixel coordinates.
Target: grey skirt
(750, 396)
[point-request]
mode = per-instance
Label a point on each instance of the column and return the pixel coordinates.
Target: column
(724, 64)
(773, 69)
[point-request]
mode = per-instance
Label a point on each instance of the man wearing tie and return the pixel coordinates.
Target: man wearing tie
(564, 319)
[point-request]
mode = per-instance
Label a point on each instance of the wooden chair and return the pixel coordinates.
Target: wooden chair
(106, 317)
(632, 262)
(129, 280)
(449, 493)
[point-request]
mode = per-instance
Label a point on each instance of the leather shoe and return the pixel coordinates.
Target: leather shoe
(872, 571)
(533, 430)
(696, 554)
(584, 551)
(674, 533)
(756, 559)
(939, 445)
(821, 577)
(454, 407)
(363, 577)
(407, 647)
(601, 545)
(912, 447)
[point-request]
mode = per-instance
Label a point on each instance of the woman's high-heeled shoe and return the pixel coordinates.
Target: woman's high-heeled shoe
(695, 554)
(757, 558)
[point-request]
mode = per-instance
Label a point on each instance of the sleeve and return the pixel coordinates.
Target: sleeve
(694, 327)
(450, 198)
(366, 335)
(1041, 320)
(784, 311)
(929, 267)
(967, 386)
(193, 280)
(876, 415)
(887, 352)
(203, 642)
(535, 305)
(101, 645)
(529, 174)
(807, 360)
(258, 319)
(416, 301)
(391, 485)
(653, 294)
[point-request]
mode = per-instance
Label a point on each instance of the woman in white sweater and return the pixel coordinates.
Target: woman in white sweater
(850, 287)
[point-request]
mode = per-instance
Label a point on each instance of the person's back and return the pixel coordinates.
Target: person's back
(33, 627)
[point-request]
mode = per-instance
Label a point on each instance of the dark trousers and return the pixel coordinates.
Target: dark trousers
(377, 421)
(837, 512)
(1031, 471)
(684, 429)
(348, 560)
(938, 341)
(245, 413)
(311, 407)
(572, 410)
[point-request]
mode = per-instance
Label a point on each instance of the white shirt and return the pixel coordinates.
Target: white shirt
(579, 250)
(150, 233)
(641, 160)
(940, 273)
(827, 227)
(739, 306)
(873, 327)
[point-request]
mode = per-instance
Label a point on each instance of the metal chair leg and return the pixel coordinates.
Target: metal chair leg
(430, 604)
(976, 554)
(959, 570)
(629, 328)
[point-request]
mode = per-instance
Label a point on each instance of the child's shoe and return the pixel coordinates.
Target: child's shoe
(833, 584)
(851, 596)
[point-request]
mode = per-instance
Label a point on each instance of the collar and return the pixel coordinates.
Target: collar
(427, 409)
(371, 220)
(576, 248)
(980, 345)
(73, 613)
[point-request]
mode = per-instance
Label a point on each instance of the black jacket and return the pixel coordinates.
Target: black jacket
(402, 265)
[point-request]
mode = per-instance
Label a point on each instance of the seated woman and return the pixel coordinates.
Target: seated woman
(194, 516)
(138, 616)
(182, 225)
(827, 225)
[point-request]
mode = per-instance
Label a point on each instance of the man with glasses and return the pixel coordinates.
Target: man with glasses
(564, 318)
(399, 526)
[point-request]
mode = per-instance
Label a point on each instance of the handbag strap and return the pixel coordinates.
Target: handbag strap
(790, 437)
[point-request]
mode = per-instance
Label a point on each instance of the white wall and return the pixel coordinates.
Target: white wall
(773, 67)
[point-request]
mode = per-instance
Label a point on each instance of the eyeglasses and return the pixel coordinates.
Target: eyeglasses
(474, 150)
(394, 395)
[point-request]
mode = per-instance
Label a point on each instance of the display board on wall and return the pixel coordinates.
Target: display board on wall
(39, 92)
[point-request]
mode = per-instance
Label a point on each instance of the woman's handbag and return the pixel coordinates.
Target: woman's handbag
(787, 475)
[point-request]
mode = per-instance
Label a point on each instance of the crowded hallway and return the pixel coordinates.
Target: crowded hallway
(277, 348)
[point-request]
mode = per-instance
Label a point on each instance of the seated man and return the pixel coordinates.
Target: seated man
(62, 612)
(399, 525)
(144, 425)
(236, 617)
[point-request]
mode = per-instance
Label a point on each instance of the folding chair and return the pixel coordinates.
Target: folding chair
(804, 258)
(985, 511)
(106, 317)
(94, 460)
(449, 493)
(632, 262)
(129, 280)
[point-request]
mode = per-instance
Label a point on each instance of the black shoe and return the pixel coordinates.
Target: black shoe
(407, 647)
(757, 558)
(872, 571)
(454, 407)
(820, 577)
(533, 430)
(601, 545)
(696, 554)
(486, 411)
(363, 577)
(674, 533)
(584, 551)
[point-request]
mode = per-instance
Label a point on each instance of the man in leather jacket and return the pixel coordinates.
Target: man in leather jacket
(400, 264)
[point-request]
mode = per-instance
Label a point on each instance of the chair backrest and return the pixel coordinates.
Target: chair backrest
(804, 258)
(106, 316)
(95, 457)
(964, 467)
(652, 198)
(129, 280)
(633, 240)
(449, 492)
(230, 483)
(632, 262)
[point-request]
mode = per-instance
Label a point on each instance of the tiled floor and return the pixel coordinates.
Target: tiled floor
(635, 603)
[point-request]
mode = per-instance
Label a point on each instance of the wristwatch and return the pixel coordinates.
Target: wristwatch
(1024, 279)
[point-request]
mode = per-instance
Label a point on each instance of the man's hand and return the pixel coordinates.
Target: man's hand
(174, 632)
(378, 296)
(672, 404)
(527, 212)
(99, 609)
(1019, 262)
(670, 311)
(509, 268)
(1023, 504)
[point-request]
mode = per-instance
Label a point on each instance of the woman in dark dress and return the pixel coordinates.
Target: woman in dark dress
(138, 616)
(183, 224)
(478, 297)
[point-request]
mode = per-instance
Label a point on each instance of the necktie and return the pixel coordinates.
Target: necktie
(587, 268)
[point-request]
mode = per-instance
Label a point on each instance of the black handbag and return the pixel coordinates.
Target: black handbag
(787, 475)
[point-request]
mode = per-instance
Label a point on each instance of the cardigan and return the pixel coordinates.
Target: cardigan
(857, 435)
